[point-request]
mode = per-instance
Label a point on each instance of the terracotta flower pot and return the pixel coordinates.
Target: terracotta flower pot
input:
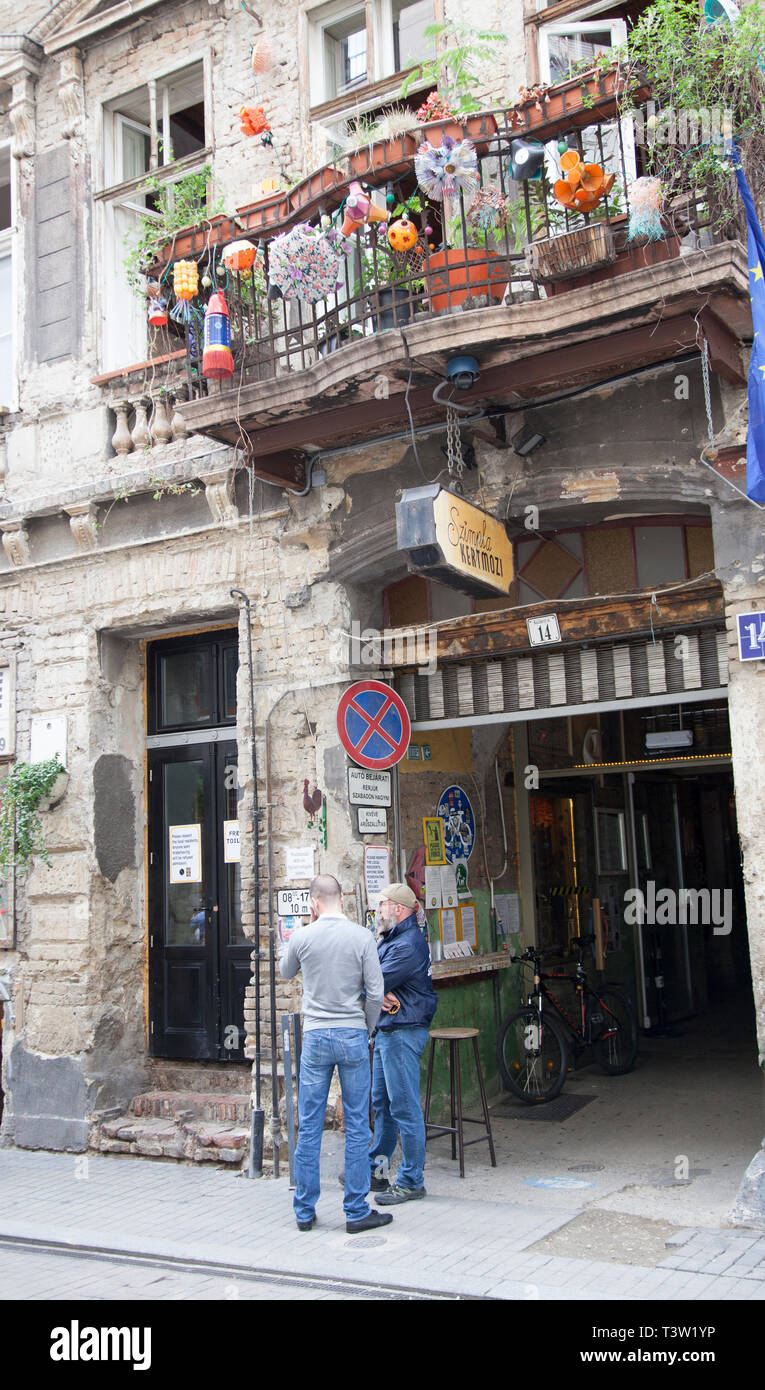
(464, 272)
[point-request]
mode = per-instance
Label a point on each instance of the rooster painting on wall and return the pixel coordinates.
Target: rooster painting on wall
(312, 802)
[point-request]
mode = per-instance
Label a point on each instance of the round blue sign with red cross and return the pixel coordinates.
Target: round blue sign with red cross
(373, 724)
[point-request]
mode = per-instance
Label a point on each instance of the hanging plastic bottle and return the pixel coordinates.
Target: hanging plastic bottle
(217, 359)
(157, 313)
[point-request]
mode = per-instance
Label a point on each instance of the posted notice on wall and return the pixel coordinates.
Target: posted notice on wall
(376, 871)
(185, 853)
(299, 861)
(469, 924)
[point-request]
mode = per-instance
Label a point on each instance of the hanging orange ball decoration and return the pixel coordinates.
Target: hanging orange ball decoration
(402, 234)
(252, 120)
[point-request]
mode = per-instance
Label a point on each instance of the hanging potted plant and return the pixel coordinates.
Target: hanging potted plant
(28, 789)
(453, 109)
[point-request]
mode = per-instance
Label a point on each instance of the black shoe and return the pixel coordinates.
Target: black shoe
(376, 1184)
(306, 1225)
(368, 1223)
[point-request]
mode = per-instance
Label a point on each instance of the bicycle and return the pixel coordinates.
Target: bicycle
(534, 1044)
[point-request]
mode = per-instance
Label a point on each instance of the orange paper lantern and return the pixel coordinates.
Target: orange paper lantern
(239, 256)
(402, 234)
(569, 160)
(563, 191)
(592, 177)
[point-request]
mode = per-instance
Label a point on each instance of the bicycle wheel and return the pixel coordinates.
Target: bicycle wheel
(612, 1013)
(532, 1057)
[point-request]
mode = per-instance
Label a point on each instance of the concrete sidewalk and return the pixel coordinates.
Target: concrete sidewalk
(453, 1243)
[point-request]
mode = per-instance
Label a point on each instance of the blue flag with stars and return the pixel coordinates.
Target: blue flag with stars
(755, 443)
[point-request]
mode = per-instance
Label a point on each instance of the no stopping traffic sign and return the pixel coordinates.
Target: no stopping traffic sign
(373, 724)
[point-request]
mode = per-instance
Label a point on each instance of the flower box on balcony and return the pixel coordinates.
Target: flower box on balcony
(394, 156)
(580, 101)
(571, 253)
(479, 128)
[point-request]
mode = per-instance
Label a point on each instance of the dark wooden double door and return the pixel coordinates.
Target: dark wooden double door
(199, 957)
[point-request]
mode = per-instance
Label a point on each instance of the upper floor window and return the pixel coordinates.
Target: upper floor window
(352, 47)
(161, 128)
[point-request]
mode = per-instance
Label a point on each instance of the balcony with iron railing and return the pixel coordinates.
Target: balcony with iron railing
(369, 274)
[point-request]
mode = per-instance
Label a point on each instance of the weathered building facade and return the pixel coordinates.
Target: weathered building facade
(146, 519)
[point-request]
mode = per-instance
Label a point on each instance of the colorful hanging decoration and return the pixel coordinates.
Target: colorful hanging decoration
(185, 279)
(402, 234)
(446, 169)
(583, 186)
(239, 256)
(489, 210)
(304, 263)
(158, 312)
(645, 198)
(252, 120)
(262, 55)
(217, 359)
(359, 209)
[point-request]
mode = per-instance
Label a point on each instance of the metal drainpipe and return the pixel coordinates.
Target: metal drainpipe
(275, 1125)
(257, 1117)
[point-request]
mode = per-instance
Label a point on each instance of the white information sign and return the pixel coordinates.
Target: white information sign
(543, 630)
(449, 925)
(299, 861)
(232, 850)
(469, 924)
(185, 853)
(432, 887)
(376, 871)
(368, 788)
(509, 912)
(48, 738)
(448, 876)
(293, 902)
(372, 820)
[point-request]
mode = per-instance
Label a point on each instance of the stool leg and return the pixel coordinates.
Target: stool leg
(452, 1046)
(484, 1103)
(460, 1131)
(429, 1086)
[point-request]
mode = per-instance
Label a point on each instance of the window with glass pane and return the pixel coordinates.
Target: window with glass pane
(410, 44)
(186, 684)
(184, 804)
(230, 666)
(345, 47)
(570, 51)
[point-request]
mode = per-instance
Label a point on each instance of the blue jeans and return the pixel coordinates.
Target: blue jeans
(323, 1050)
(396, 1103)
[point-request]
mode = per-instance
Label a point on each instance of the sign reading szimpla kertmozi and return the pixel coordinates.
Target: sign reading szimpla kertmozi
(472, 541)
(450, 539)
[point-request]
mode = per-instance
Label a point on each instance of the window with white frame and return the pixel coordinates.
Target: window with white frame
(565, 48)
(351, 46)
(7, 372)
(160, 128)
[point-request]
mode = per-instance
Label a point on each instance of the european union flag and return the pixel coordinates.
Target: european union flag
(755, 444)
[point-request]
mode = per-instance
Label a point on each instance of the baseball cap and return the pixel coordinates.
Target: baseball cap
(398, 893)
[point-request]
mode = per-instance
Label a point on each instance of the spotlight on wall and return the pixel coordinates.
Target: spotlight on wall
(526, 441)
(526, 159)
(463, 372)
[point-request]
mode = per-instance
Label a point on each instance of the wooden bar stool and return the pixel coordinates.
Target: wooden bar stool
(454, 1036)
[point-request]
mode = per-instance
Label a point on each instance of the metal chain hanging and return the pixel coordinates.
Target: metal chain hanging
(454, 460)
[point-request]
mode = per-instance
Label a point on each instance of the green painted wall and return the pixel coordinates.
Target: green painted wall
(472, 1005)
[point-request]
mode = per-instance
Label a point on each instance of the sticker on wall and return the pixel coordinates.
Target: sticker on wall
(299, 861)
(456, 812)
(460, 867)
(469, 924)
(185, 853)
(433, 834)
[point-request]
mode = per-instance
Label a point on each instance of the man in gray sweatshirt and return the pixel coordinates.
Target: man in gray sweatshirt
(342, 996)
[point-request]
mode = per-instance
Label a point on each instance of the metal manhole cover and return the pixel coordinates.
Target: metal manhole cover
(368, 1242)
(586, 1167)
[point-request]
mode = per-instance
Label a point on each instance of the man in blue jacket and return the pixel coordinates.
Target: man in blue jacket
(402, 1032)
